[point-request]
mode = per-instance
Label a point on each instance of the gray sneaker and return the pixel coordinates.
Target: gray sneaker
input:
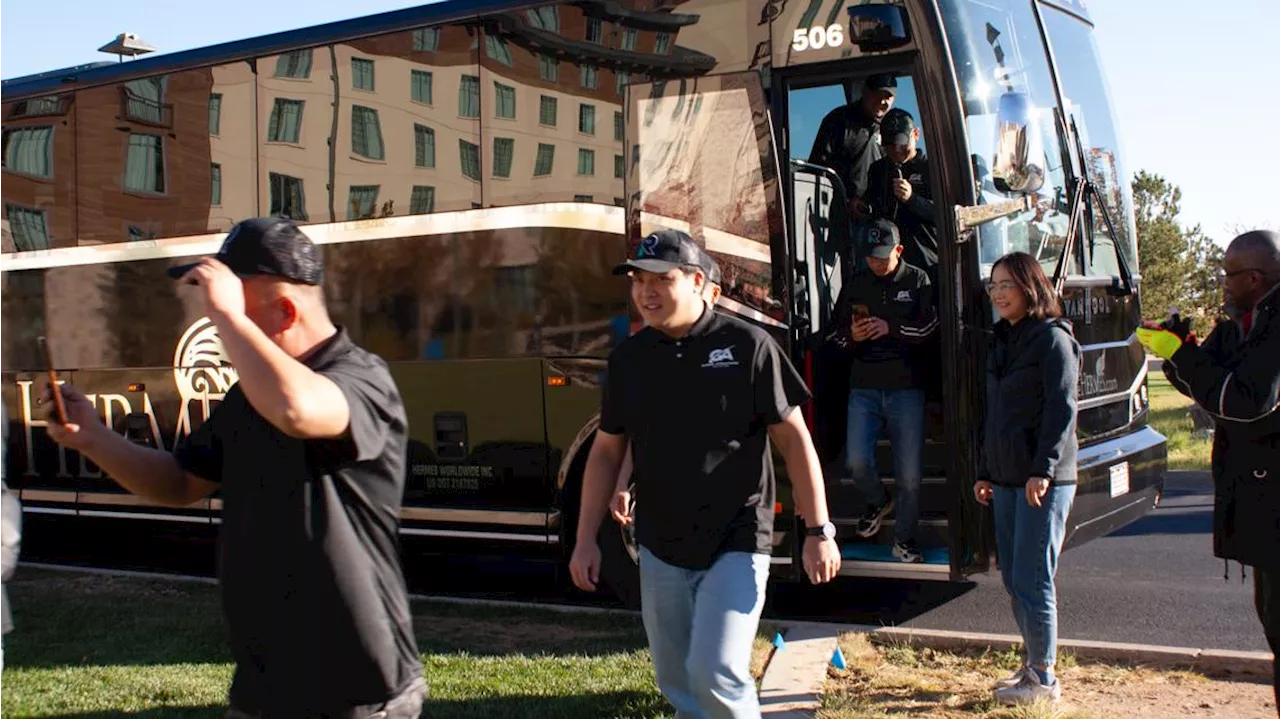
(869, 523)
(908, 552)
(1029, 690)
(1013, 679)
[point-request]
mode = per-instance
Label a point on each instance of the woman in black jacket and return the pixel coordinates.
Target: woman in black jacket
(1029, 449)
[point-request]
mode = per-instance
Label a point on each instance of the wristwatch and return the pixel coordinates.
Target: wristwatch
(826, 530)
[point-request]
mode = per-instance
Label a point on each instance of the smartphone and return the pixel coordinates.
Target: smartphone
(861, 312)
(47, 356)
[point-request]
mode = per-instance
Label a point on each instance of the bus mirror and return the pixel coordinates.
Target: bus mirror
(1019, 164)
(877, 28)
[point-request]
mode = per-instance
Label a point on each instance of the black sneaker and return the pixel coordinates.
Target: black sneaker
(869, 523)
(908, 552)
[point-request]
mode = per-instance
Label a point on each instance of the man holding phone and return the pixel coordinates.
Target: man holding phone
(884, 316)
(309, 449)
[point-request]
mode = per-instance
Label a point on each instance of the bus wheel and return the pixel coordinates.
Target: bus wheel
(619, 559)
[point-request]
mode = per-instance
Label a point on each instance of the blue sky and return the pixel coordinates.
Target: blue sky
(1189, 80)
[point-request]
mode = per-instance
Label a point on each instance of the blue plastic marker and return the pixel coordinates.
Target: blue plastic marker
(837, 659)
(778, 641)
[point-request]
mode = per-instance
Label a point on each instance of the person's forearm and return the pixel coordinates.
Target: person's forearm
(598, 482)
(805, 472)
(149, 473)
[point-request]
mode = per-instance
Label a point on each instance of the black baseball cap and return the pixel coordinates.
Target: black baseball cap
(271, 246)
(713, 267)
(884, 82)
(666, 250)
(881, 237)
(896, 127)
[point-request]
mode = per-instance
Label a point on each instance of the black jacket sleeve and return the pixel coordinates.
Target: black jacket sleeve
(824, 145)
(1059, 375)
(1212, 346)
(923, 322)
(1245, 393)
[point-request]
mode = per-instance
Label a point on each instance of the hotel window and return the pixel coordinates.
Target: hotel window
(422, 200)
(504, 100)
(366, 133)
(144, 165)
(29, 150)
(470, 157)
(588, 78)
(547, 111)
(587, 119)
(30, 231)
(548, 68)
(586, 162)
(295, 64)
(617, 126)
(215, 113)
(595, 30)
(362, 74)
(469, 96)
(420, 86)
(285, 123)
(496, 48)
(286, 196)
(620, 80)
(662, 45)
(424, 146)
(504, 149)
(362, 202)
(215, 176)
(619, 166)
(426, 39)
(629, 39)
(544, 18)
(545, 161)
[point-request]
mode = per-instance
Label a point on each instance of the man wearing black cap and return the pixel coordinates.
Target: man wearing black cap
(898, 190)
(309, 451)
(883, 317)
(848, 139)
(700, 396)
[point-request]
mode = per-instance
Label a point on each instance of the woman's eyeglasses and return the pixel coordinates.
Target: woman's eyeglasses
(1002, 286)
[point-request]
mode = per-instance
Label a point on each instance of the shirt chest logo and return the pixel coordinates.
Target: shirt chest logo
(903, 296)
(722, 357)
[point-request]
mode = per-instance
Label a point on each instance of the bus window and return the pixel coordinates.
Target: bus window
(1084, 88)
(997, 49)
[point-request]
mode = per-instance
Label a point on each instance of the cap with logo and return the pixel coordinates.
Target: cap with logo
(883, 82)
(713, 267)
(271, 246)
(881, 237)
(666, 250)
(896, 127)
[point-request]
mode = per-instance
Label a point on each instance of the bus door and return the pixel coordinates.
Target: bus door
(824, 228)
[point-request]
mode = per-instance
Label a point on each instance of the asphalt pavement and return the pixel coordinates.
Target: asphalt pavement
(1155, 581)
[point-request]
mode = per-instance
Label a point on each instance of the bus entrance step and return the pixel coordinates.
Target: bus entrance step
(862, 552)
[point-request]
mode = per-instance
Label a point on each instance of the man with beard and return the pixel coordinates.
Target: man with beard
(1235, 376)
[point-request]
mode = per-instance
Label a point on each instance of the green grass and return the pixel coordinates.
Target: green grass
(94, 646)
(1170, 417)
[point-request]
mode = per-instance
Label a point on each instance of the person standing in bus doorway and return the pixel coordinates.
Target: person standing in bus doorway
(898, 190)
(309, 449)
(700, 396)
(1235, 377)
(883, 317)
(1028, 468)
(848, 140)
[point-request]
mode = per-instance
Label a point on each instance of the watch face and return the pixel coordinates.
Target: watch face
(829, 530)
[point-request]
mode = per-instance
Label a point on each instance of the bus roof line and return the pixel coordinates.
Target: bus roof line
(94, 74)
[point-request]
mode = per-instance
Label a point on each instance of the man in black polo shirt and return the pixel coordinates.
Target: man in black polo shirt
(700, 396)
(309, 450)
(884, 316)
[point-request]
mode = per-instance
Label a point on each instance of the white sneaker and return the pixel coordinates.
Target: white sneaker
(1029, 690)
(1013, 679)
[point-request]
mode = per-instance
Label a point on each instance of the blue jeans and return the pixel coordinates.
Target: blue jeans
(903, 410)
(1028, 541)
(701, 625)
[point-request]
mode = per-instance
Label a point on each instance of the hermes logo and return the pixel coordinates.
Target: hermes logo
(722, 357)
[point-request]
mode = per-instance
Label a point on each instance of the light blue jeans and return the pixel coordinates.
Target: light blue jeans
(903, 411)
(701, 626)
(1029, 541)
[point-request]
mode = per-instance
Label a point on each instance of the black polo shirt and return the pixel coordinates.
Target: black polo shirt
(312, 587)
(696, 411)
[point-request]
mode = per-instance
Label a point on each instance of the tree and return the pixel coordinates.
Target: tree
(1179, 266)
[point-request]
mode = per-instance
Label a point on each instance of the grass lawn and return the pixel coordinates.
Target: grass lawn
(97, 646)
(1170, 417)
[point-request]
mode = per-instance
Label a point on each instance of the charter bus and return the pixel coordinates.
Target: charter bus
(472, 172)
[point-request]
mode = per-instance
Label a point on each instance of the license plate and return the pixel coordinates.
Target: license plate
(1120, 479)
